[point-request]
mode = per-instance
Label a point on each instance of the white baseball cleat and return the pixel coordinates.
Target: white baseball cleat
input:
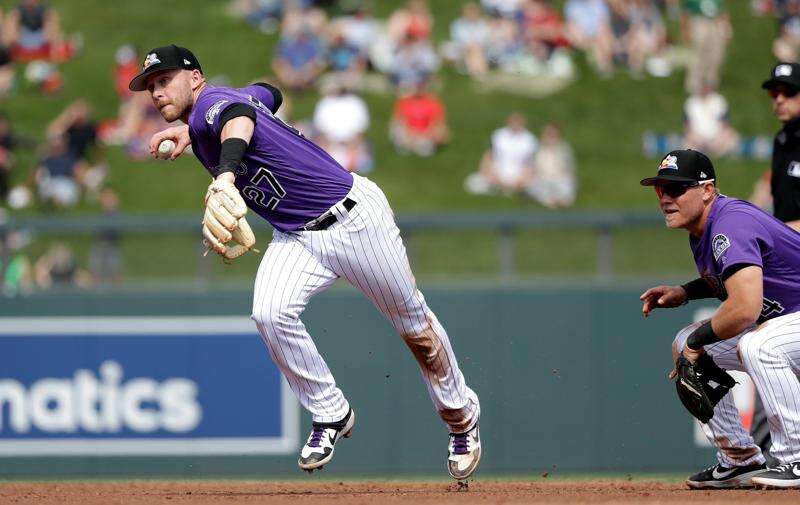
(319, 447)
(464, 453)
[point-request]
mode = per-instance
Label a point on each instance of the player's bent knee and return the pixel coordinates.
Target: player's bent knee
(273, 318)
(679, 341)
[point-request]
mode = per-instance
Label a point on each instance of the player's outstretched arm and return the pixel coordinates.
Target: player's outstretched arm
(178, 134)
(662, 297)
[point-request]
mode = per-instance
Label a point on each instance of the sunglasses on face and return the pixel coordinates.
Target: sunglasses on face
(674, 190)
(786, 92)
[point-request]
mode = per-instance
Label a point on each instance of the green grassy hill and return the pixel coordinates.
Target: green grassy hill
(603, 119)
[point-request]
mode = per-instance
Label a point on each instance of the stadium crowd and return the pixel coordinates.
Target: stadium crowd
(510, 45)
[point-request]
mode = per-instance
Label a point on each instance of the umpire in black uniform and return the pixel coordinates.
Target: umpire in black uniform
(783, 87)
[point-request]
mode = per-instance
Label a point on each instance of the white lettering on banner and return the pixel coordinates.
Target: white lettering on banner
(100, 404)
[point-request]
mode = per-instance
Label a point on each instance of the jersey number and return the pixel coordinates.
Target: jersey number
(258, 195)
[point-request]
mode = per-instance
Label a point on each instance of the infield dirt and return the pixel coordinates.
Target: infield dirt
(231, 492)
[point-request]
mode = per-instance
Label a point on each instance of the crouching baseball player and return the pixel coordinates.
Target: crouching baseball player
(751, 262)
(328, 223)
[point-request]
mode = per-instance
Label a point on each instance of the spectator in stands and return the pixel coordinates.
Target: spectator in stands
(341, 119)
(507, 167)
(543, 27)
(360, 29)
(419, 122)
(787, 46)
(262, 14)
(58, 175)
(299, 59)
(105, 255)
(58, 267)
(7, 145)
(707, 27)
(302, 16)
(554, 183)
(413, 62)
(76, 124)
(504, 44)
(346, 62)
(469, 36)
(509, 9)
(33, 31)
(16, 270)
(6, 66)
(648, 35)
(126, 66)
(707, 126)
(414, 21)
(589, 28)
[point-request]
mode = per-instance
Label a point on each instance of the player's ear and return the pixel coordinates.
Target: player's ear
(196, 78)
(709, 192)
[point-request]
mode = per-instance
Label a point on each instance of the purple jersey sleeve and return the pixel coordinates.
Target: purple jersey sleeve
(739, 239)
(209, 108)
(263, 94)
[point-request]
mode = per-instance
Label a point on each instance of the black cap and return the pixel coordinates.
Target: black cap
(170, 57)
(682, 165)
(784, 73)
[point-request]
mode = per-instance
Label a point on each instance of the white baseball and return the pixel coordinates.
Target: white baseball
(165, 148)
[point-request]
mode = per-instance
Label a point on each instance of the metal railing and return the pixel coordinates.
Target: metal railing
(506, 225)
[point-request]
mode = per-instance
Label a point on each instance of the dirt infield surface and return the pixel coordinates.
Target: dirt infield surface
(232, 492)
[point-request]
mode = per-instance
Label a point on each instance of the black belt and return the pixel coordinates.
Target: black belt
(327, 219)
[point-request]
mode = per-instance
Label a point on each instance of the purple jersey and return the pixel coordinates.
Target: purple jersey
(738, 233)
(285, 178)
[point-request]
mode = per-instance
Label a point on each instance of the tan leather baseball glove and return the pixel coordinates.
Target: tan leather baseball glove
(225, 229)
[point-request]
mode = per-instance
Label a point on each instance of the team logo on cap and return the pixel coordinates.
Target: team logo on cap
(669, 163)
(783, 70)
(719, 245)
(151, 59)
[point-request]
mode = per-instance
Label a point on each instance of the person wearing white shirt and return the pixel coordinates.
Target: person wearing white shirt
(508, 165)
(707, 125)
(340, 120)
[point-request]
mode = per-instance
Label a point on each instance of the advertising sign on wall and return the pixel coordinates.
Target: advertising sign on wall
(141, 386)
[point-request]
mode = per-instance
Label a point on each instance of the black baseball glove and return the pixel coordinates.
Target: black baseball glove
(701, 385)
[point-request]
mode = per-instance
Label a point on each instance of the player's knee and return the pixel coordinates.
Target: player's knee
(679, 341)
(274, 316)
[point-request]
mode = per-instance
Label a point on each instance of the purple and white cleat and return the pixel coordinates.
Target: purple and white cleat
(464, 453)
(319, 447)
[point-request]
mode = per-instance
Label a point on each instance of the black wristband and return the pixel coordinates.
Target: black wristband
(698, 289)
(702, 336)
(230, 155)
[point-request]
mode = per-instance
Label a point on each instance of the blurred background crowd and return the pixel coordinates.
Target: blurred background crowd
(334, 62)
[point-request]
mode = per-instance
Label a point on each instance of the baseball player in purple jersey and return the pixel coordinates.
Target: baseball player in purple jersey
(751, 262)
(328, 224)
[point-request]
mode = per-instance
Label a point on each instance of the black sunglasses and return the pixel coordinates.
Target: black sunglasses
(786, 92)
(675, 189)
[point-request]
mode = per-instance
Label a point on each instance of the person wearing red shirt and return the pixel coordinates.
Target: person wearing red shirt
(419, 123)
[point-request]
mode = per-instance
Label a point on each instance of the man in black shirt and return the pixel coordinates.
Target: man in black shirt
(784, 88)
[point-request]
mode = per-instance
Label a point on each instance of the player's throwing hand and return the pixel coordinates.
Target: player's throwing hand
(178, 134)
(662, 297)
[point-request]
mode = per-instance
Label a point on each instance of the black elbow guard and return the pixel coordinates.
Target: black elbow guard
(277, 96)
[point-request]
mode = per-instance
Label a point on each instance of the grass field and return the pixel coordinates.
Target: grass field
(603, 119)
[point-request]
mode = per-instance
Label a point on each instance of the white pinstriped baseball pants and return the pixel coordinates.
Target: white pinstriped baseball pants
(364, 247)
(770, 355)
